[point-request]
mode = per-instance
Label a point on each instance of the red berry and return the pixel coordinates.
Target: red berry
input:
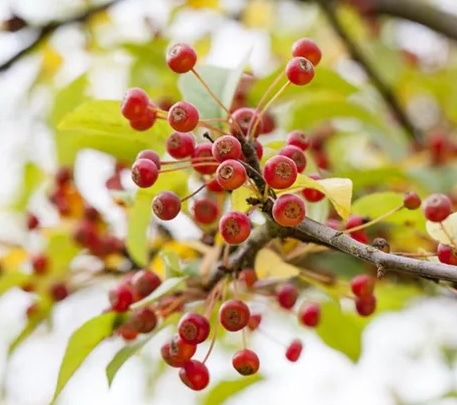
(308, 49)
(226, 147)
(293, 351)
(254, 321)
(63, 176)
(121, 297)
(127, 332)
(144, 173)
(181, 58)
(40, 264)
(166, 205)
(248, 276)
(144, 282)
(309, 314)
(258, 149)
(180, 145)
(268, 123)
(288, 210)
(243, 119)
(446, 254)
(363, 285)
(32, 221)
(91, 213)
(246, 362)
(144, 320)
(86, 234)
(58, 291)
(411, 201)
(214, 186)
(183, 116)
(437, 207)
(205, 210)
(231, 174)
(296, 154)
(181, 350)
(280, 172)
(145, 122)
(170, 360)
(299, 71)
(311, 194)
(365, 305)
(355, 220)
(151, 155)
(135, 104)
(234, 315)
(287, 295)
(298, 139)
(234, 227)
(193, 328)
(202, 159)
(195, 375)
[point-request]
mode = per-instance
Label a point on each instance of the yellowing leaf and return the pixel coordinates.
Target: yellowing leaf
(338, 191)
(182, 250)
(239, 197)
(203, 3)
(269, 264)
(436, 231)
(11, 261)
(258, 14)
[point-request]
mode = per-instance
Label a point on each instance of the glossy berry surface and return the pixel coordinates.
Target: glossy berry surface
(293, 350)
(195, 375)
(437, 207)
(121, 297)
(308, 49)
(365, 305)
(280, 172)
(231, 174)
(254, 321)
(144, 173)
(166, 205)
(135, 104)
(145, 122)
(206, 210)
(363, 285)
(446, 254)
(144, 320)
(144, 282)
(298, 139)
(183, 116)
(309, 314)
(181, 57)
(234, 315)
(180, 145)
(193, 328)
(226, 147)
(151, 155)
(311, 194)
(411, 201)
(246, 362)
(235, 227)
(288, 210)
(202, 159)
(296, 154)
(243, 120)
(287, 295)
(299, 71)
(180, 350)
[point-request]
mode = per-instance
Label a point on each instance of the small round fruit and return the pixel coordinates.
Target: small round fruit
(244, 119)
(254, 321)
(193, 328)
(246, 362)
(296, 154)
(365, 305)
(298, 139)
(437, 207)
(135, 104)
(121, 297)
(166, 205)
(311, 194)
(169, 359)
(202, 159)
(299, 71)
(151, 155)
(309, 314)
(363, 285)
(288, 210)
(231, 174)
(308, 49)
(206, 210)
(144, 282)
(287, 295)
(195, 375)
(144, 172)
(145, 122)
(234, 315)
(226, 147)
(234, 227)
(180, 145)
(411, 201)
(280, 172)
(293, 351)
(446, 254)
(181, 350)
(183, 116)
(181, 57)
(144, 320)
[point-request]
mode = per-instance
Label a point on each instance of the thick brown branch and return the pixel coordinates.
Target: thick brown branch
(358, 55)
(42, 33)
(313, 230)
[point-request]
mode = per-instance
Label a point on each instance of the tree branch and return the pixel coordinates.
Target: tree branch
(357, 55)
(42, 33)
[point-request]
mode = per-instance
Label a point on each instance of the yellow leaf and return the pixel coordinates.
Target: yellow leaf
(338, 191)
(203, 4)
(239, 197)
(182, 249)
(51, 61)
(258, 14)
(268, 264)
(436, 231)
(13, 259)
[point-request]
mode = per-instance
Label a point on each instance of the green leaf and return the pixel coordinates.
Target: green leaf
(376, 204)
(395, 296)
(61, 250)
(341, 331)
(31, 178)
(168, 285)
(375, 177)
(98, 124)
(10, 280)
(121, 357)
(172, 264)
(81, 344)
(224, 390)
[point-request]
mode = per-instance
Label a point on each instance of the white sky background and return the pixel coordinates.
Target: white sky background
(401, 358)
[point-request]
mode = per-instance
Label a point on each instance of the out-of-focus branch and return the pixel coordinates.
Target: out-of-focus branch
(43, 32)
(358, 55)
